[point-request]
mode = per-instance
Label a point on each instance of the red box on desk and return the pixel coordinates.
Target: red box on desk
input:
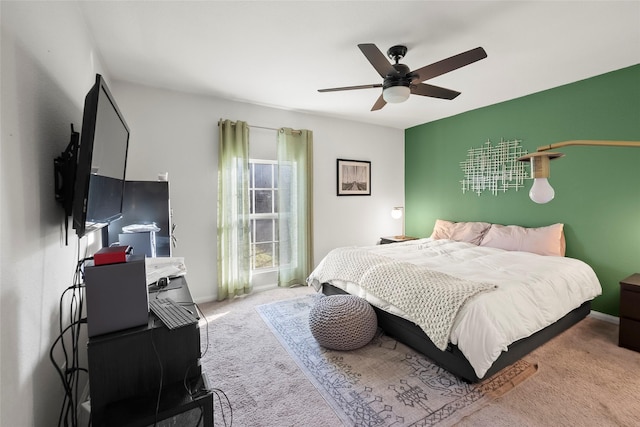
(111, 255)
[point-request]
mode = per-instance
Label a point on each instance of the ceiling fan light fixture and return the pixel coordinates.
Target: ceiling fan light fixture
(399, 82)
(396, 94)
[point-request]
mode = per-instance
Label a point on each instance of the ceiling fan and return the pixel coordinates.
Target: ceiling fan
(399, 82)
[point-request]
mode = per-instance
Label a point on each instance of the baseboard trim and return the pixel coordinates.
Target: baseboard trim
(606, 317)
(204, 299)
(84, 408)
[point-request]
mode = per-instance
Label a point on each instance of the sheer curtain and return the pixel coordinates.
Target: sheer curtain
(295, 205)
(234, 275)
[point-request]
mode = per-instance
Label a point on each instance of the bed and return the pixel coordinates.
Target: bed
(473, 297)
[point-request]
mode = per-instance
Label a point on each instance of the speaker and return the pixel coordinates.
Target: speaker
(116, 296)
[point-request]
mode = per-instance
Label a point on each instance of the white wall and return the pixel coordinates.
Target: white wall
(178, 133)
(48, 65)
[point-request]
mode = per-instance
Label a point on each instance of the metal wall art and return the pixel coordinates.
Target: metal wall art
(494, 168)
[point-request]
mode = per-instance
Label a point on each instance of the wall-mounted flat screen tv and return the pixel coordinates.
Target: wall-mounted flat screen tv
(102, 161)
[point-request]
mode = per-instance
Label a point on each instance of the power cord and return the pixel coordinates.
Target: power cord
(202, 316)
(70, 377)
(69, 380)
(155, 350)
(216, 391)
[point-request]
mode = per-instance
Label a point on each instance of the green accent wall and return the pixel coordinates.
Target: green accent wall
(597, 189)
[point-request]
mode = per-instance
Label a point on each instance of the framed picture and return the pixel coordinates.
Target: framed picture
(354, 177)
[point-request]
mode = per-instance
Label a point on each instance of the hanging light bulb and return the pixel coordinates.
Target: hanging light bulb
(541, 191)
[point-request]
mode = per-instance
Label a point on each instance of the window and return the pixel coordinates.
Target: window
(279, 210)
(263, 195)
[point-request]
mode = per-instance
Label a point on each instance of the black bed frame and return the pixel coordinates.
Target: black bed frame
(452, 358)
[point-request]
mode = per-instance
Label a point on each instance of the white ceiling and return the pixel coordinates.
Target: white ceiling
(279, 54)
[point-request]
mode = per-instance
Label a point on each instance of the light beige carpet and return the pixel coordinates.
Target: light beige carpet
(583, 379)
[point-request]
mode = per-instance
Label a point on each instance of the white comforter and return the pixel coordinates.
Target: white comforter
(533, 292)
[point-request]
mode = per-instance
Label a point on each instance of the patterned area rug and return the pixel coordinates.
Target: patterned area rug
(384, 383)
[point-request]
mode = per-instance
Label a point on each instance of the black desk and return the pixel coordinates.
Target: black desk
(126, 367)
(176, 404)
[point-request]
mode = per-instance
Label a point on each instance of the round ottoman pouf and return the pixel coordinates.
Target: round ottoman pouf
(342, 322)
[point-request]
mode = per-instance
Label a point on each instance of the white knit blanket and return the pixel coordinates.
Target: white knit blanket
(432, 299)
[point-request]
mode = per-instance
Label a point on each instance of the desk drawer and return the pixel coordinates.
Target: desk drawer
(630, 303)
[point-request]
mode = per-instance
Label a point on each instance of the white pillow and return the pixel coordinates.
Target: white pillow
(547, 240)
(471, 232)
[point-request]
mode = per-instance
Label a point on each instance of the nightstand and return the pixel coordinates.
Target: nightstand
(629, 336)
(395, 239)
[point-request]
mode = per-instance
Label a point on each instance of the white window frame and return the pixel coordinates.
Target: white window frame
(273, 216)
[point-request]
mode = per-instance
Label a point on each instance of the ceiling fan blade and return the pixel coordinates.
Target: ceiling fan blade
(449, 64)
(433, 91)
(335, 89)
(376, 58)
(379, 103)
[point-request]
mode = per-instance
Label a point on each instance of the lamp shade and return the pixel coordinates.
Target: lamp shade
(396, 94)
(397, 213)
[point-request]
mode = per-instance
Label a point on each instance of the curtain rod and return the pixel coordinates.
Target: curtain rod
(262, 127)
(268, 128)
